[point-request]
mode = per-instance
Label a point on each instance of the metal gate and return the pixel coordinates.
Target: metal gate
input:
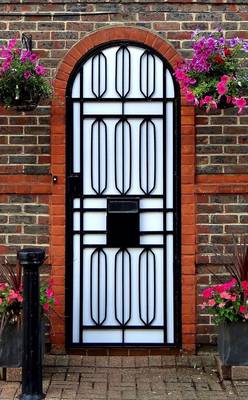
(122, 199)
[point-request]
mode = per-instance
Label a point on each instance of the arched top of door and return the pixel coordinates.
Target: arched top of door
(107, 36)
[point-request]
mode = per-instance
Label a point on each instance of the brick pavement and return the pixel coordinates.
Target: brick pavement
(129, 378)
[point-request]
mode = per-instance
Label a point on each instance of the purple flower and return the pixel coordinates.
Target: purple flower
(33, 58)
(5, 66)
(40, 70)
(27, 74)
(245, 47)
(234, 41)
(12, 43)
(221, 41)
(5, 53)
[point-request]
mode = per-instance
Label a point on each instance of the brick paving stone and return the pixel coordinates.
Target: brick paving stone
(141, 378)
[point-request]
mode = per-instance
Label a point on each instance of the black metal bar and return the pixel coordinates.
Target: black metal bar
(31, 259)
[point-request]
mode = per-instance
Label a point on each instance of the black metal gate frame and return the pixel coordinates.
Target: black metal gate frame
(74, 186)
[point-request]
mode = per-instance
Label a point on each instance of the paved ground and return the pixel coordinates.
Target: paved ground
(129, 378)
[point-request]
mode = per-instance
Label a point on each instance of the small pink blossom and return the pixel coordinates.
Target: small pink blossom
(203, 305)
(211, 302)
(33, 58)
(225, 295)
(240, 103)
(46, 307)
(1, 300)
(221, 88)
(27, 74)
(190, 97)
(40, 70)
(242, 309)
(246, 316)
(225, 78)
(206, 293)
(221, 305)
(20, 298)
(12, 43)
(49, 293)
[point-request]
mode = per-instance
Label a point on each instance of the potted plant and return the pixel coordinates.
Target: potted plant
(22, 80)
(215, 77)
(11, 305)
(228, 303)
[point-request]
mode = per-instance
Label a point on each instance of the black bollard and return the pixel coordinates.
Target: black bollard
(31, 259)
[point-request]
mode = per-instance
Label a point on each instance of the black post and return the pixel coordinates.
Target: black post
(31, 259)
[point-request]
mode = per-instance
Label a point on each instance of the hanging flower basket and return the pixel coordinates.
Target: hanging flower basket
(22, 78)
(215, 77)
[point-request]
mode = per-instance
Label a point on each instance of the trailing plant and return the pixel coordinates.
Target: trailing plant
(22, 76)
(228, 302)
(215, 77)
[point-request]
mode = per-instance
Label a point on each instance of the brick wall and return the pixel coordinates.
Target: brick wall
(222, 144)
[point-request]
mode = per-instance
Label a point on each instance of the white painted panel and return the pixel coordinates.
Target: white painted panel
(151, 203)
(144, 336)
(76, 87)
(151, 221)
(169, 289)
(76, 221)
(76, 137)
(94, 221)
(102, 336)
(143, 108)
(87, 77)
(94, 239)
(170, 91)
(151, 239)
(104, 108)
(169, 221)
(169, 155)
(76, 288)
(95, 203)
(76, 203)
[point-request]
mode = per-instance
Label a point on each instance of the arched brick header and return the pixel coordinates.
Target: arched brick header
(58, 142)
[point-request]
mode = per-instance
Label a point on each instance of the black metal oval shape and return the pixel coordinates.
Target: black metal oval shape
(123, 294)
(99, 164)
(98, 286)
(122, 71)
(123, 156)
(99, 75)
(147, 156)
(147, 278)
(147, 74)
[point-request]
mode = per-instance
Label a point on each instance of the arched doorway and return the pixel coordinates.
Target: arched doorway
(123, 199)
(142, 293)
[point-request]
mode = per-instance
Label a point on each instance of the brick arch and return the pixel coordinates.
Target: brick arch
(58, 163)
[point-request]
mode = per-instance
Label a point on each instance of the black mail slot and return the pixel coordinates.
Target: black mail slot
(123, 223)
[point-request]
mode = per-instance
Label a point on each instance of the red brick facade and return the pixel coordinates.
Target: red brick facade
(32, 209)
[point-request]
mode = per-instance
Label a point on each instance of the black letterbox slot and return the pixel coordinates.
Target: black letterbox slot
(123, 223)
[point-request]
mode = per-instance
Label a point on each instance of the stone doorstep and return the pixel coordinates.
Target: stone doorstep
(231, 372)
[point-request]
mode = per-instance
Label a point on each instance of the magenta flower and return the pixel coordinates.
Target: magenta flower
(240, 103)
(221, 88)
(242, 309)
(27, 74)
(40, 70)
(33, 58)
(12, 43)
(211, 302)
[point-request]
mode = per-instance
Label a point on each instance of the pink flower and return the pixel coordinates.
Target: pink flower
(240, 103)
(40, 70)
(56, 302)
(211, 302)
(5, 66)
(12, 43)
(208, 99)
(233, 298)
(203, 305)
(242, 309)
(228, 99)
(33, 58)
(225, 295)
(246, 316)
(221, 88)
(244, 284)
(27, 74)
(190, 97)
(221, 305)
(225, 78)
(206, 293)
(20, 298)
(46, 307)
(49, 293)
(1, 300)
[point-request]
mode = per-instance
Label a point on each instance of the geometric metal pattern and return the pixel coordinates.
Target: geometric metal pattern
(122, 176)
